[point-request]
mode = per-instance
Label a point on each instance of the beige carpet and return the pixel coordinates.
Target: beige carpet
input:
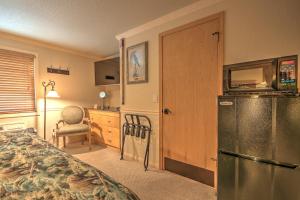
(150, 185)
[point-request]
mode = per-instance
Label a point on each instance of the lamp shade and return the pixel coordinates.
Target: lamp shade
(53, 94)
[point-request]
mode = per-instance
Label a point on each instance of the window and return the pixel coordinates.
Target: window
(17, 93)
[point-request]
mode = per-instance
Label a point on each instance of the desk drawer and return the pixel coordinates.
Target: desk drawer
(106, 128)
(103, 120)
(116, 138)
(110, 121)
(111, 136)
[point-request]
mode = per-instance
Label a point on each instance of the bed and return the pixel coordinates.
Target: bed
(31, 168)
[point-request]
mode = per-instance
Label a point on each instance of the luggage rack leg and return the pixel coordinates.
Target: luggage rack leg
(123, 141)
(134, 127)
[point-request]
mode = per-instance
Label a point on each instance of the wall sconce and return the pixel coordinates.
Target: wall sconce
(51, 94)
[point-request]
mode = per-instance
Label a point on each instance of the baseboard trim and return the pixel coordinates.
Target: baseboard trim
(196, 173)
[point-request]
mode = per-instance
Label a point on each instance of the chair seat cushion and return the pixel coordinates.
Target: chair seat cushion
(73, 128)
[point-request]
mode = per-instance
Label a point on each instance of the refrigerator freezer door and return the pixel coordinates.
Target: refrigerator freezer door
(254, 126)
(287, 145)
(227, 138)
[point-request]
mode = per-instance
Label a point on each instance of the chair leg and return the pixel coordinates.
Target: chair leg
(64, 140)
(90, 140)
(57, 141)
(82, 140)
(53, 138)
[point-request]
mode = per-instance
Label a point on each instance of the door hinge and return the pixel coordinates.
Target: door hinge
(216, 34)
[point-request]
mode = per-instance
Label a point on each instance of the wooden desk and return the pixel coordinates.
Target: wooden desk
(105, 127)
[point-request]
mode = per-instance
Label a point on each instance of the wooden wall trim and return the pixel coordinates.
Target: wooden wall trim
(169, 17)
(122, 69)
(221, 53)
(48, 45)
(160, 132)
(138, 111)
(192, 24)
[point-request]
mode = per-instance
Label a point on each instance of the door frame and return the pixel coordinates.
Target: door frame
(220, 17)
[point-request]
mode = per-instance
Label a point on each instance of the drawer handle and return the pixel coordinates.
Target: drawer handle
(109, 131)
(109, 121)
(109, 141)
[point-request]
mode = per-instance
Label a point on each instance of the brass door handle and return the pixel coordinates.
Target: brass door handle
(167, 111)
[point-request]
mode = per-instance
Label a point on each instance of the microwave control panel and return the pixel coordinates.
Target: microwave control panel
(287, 79)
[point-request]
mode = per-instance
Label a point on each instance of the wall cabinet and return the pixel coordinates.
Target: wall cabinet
(105, 127)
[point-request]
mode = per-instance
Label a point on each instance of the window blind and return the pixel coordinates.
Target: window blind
(17, 93)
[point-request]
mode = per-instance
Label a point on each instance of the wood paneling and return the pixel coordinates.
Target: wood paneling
(191, 59)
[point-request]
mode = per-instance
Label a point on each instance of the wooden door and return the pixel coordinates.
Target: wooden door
(189, 91)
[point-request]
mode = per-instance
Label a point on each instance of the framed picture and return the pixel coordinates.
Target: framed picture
(137, 63)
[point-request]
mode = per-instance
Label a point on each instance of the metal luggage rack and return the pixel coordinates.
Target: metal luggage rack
(138, 126)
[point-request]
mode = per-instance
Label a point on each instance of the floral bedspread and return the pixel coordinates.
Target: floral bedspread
(31, 168)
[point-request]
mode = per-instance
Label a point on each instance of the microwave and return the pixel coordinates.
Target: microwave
(275, 75)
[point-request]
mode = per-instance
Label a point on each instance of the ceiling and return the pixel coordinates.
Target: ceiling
(89, 26)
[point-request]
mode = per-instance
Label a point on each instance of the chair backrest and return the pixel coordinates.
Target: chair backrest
(72, 114)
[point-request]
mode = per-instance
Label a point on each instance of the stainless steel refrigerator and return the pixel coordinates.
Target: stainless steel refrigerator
(258, 148)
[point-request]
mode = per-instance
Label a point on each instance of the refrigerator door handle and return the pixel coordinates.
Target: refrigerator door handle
(260, 160)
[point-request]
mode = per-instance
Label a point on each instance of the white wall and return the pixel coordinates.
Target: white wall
(254, 29)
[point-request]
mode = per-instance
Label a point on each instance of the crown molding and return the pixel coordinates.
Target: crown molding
(109, 57)
(39, 43)
(169, 17)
